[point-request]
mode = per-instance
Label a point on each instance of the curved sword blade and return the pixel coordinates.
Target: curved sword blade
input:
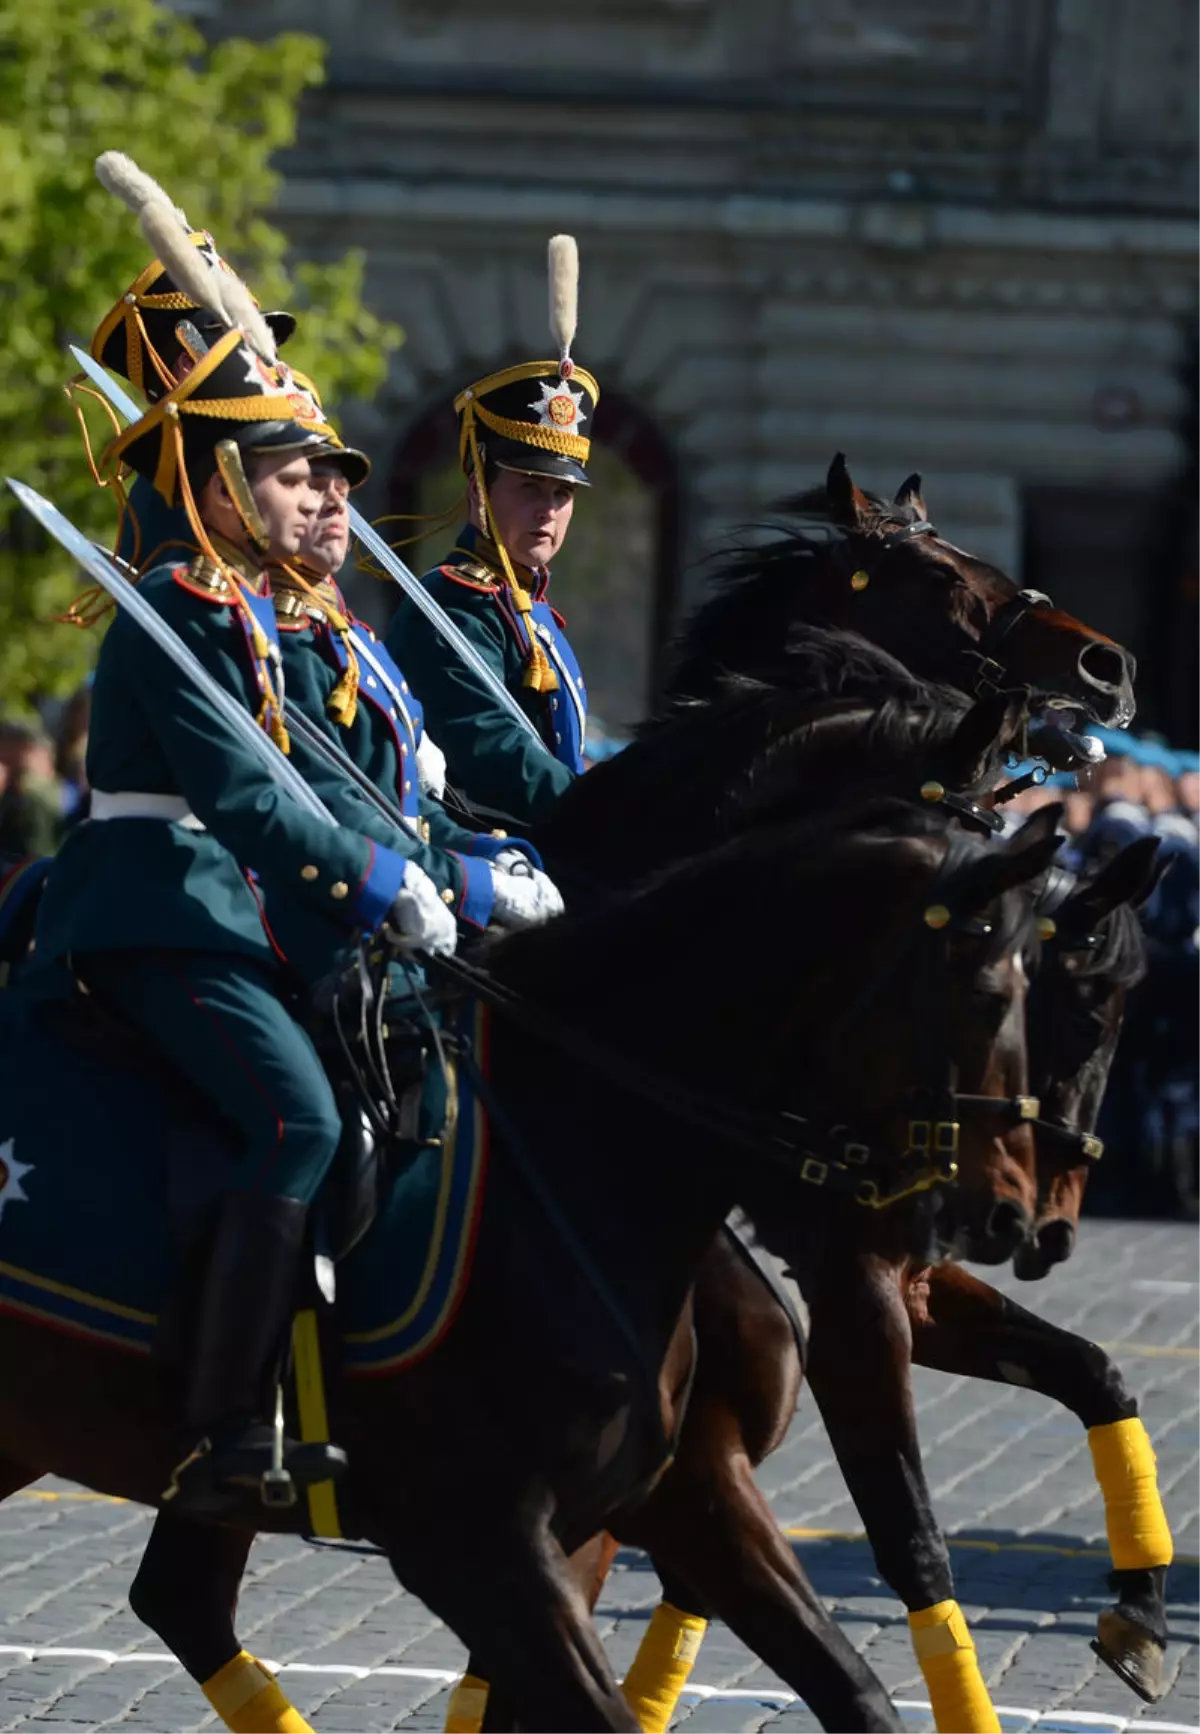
(126, 596)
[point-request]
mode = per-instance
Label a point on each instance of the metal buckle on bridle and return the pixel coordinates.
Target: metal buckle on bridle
(814, 1171)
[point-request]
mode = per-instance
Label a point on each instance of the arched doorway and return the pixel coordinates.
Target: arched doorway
(617, 578)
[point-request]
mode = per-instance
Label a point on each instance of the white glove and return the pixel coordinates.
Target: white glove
(524, 900)
(514, 861)
(431, 768)
(420, 915)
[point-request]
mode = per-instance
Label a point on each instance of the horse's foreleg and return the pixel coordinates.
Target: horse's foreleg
(714, 1538)
(186, 1590)
(859, 1369)
(473, 1709)
(970, 1328)
(514, 1601)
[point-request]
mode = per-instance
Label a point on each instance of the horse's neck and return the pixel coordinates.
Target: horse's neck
(633, 1202)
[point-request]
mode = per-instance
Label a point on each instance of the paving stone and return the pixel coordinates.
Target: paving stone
(1007, 1469)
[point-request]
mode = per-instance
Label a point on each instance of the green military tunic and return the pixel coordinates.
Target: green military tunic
(498, 767)
(152, 901)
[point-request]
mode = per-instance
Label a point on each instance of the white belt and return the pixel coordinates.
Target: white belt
(132, 804)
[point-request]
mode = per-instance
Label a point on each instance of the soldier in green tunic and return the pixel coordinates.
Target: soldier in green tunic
(152, 902)
(524, 451)
(153, 336)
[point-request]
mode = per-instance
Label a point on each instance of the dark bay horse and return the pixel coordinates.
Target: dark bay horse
(902, 1312)
(584, 1333)
(855, 561)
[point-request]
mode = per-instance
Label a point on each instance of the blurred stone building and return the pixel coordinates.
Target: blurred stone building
(956, 236)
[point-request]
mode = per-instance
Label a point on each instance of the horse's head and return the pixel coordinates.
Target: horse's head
(878, 567)
(1092, 954)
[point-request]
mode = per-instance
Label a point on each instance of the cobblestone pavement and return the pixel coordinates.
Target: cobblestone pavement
(1011, 1477)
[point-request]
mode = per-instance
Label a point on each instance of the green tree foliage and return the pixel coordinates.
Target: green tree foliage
(76, 78)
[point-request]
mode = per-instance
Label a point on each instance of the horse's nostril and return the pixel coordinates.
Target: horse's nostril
(1007, 1223)
(1056, 1239)
(1102, 664)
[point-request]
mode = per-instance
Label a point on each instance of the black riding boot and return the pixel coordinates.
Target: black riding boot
(244, 1316)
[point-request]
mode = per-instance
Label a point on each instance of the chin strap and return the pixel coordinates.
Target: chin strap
(538, 673)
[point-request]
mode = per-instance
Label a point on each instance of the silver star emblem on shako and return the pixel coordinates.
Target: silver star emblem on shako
(559, 406)
(12, 1173)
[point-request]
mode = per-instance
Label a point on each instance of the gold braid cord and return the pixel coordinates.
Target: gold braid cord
(270, 712)
(550, 439)
(342, 703)
(538, 673)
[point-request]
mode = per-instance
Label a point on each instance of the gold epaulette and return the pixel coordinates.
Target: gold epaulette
(474, 573)
(204, 577)
(290, 605)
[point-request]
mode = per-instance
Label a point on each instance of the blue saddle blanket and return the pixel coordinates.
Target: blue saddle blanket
(84, 1240)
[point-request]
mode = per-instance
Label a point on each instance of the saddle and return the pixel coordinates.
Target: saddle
(201, 1155)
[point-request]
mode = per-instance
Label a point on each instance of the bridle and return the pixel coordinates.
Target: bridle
(1074, 1145)
(820, 1151)
(989, 672)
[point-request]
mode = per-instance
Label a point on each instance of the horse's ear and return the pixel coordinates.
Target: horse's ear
(1130, 877)
(848, 506)
(989, 725)
(1014, 862)
(909, 494)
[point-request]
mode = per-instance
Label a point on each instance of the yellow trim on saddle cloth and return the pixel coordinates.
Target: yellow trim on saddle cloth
(314, 1420)
(1139, 1536)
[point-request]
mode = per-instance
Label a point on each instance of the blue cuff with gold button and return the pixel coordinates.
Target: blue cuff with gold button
(478, 892)
(489, 846)
(377, 890)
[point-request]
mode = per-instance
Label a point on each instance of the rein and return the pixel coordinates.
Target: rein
(828, 1155)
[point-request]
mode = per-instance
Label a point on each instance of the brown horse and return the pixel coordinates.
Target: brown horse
(854, 561)
(598, 1377)
(894, 1312)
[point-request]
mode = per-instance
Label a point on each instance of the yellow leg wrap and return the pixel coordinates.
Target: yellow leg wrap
(662, 1665)
(946, 1652)
(468, 1701)
(247, 1699)
(1124, 1461)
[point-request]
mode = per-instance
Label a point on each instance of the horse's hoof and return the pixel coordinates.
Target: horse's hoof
(1133, 1654)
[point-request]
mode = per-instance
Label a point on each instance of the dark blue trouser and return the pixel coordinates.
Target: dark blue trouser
(219, 1020)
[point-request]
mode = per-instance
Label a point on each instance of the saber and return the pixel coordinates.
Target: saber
(375, 545)
(169, 642)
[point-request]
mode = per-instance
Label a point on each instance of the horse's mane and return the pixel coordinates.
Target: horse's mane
(762, 585)
(794, 860)
(760, 577)
(834, 705)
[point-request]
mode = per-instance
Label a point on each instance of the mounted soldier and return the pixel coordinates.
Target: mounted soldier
(152, 906)
(153, 336)
(524, 444)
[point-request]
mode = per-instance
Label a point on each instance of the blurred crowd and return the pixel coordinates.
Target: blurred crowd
(43, 783)
(1151, 1120)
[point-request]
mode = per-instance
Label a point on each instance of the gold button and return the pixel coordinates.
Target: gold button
(499, 833)
(447, 895)
(309, 873)
(408, 788)
(339, 889)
